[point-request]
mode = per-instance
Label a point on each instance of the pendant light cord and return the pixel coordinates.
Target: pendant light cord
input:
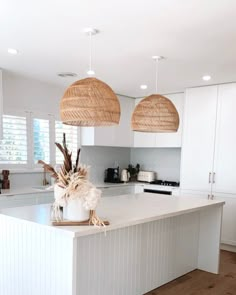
(90, 51)
(156, 72)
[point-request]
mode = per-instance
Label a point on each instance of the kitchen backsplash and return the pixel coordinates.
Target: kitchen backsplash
(101, 158)
(165, 161)
(23, 180)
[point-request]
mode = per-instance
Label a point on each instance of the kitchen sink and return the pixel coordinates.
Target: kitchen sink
(42, 187)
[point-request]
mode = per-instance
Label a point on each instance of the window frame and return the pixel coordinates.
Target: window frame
(30, 166)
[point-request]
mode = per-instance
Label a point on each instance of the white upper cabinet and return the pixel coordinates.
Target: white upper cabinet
(1, 104)
(120, 135)
(198, 138)
(146, 139)
(225, 148)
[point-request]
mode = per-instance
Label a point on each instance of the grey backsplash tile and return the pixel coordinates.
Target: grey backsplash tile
(101, 158)
(165, 161)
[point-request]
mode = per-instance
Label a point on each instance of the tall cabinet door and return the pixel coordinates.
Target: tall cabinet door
(198, 138)
(225, 149)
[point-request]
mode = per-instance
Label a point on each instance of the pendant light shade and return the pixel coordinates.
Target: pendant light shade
(155, 113)
(90, 102)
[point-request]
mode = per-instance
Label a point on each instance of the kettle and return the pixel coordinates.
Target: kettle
(125, 175)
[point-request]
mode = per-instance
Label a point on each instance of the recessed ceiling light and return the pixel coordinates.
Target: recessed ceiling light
(12, 51)
(206, 78)
(143, 87)
(66, 74)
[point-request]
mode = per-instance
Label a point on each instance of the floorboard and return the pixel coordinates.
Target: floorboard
(200, 282)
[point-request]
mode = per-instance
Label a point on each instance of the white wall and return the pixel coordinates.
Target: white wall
(20, 94)
(165, 161)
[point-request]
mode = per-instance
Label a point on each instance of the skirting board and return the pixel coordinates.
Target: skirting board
(228, 247)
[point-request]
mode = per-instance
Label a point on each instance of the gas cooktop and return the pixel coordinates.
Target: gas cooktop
(165, 182)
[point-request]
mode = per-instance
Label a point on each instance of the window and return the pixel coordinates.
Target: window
(41, 140)
(13, 146)
(29, 137)
(71, 140)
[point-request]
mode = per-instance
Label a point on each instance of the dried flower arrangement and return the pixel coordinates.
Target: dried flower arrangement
(72, 182)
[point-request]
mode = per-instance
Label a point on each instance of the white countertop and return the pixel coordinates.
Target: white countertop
(25, 190)
(120, 211)
(43, 189)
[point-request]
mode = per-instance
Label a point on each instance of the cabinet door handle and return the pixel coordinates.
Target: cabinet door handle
(214, 176)
(209, 177)
(212, 197)
(208, 197)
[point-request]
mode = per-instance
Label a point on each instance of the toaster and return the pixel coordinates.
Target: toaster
(147, 176)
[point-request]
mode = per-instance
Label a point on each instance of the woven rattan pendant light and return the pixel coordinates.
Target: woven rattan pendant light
(155, 113)
(90, 102)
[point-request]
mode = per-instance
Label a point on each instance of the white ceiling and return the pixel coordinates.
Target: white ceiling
(196, 36)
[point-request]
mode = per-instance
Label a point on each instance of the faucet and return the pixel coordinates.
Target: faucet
(45, 182)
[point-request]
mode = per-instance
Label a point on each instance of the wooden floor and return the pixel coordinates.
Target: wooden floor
(200, 282)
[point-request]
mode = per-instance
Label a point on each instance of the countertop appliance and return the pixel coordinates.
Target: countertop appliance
(125, 175)
(163, 187)
(112, 175)
(147, 176)
(165, 182)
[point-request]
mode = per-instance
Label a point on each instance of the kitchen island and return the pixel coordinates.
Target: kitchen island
(151, 240)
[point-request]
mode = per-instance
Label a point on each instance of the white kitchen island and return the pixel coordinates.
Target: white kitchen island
(152, 240)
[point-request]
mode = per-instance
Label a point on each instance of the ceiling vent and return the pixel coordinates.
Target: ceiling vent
(67, 74)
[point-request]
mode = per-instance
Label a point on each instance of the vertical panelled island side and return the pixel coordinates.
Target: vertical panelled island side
(151, 240)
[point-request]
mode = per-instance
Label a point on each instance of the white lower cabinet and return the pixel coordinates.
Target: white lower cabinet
(19, 200)
(109, 191)
(45, 198)
(196, 194)
(228, 234)
(138, 188)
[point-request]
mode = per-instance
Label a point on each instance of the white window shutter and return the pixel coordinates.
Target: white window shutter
(41, 143)
(13, 146)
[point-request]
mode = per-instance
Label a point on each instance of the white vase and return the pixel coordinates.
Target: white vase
(75, 210)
